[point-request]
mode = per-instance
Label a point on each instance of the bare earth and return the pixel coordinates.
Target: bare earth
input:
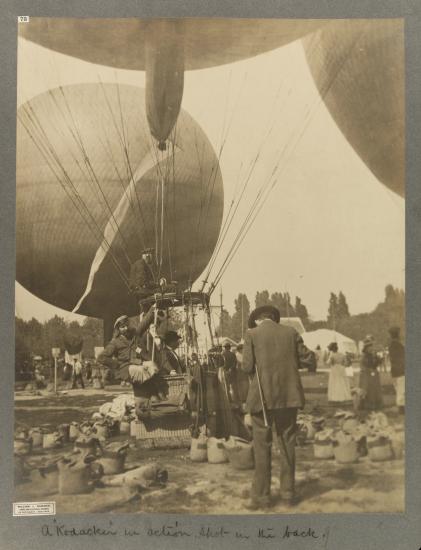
(202, 488)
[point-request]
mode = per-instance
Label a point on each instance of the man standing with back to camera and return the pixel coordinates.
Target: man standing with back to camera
(272, 350)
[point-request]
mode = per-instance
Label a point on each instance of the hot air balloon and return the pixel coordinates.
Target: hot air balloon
(93, 190)
(164, 48)
(358, 67)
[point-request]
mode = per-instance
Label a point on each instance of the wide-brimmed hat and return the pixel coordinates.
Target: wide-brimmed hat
(121, 321)
(368, 340)
(171, 336)
(255, 314)
(394, 332)
(333, 346)
(148, 251)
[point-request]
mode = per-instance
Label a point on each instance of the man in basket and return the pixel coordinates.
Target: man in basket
(270, 354)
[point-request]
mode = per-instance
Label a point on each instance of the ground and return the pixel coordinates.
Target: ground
(202, 488)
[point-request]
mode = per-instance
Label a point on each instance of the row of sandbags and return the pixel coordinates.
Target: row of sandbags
(79, 470)
(353, 439)
(235, 450)
(26, 440)
(76, 475)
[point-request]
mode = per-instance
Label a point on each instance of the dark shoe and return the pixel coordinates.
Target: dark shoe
(289, 500)
(259, 504)
(254, 505)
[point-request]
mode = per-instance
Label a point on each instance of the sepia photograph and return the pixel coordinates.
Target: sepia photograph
(210, 265)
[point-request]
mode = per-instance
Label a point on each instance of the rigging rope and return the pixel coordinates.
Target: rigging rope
(37, 135)
(91, 173)
(215, 168)
(213, 172)
(267, 188)
(228, 220)
(129, 169)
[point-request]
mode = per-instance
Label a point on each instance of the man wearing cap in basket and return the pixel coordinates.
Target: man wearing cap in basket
(142, 279)
(270, 354)
(124, 349)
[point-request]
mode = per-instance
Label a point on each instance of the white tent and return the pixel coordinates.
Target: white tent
(323, 337)
(294, 322)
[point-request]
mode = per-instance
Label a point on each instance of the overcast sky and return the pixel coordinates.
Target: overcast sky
(328, 225)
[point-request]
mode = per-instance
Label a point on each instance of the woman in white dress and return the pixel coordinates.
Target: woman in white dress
(338, 388)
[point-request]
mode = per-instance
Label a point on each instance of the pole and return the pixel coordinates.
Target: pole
(265, 418)
(242, 316)
(208, 316)
(195, 343)
(222, 314)
(186, 325)
(155, 317)
(55, 374)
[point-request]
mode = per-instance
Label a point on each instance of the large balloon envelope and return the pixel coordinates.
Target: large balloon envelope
(87, 167)
(164, 48)
(359, 69)
(121, 43)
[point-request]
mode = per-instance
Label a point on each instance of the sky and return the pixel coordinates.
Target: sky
(328, 224)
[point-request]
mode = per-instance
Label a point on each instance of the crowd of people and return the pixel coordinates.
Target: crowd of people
(261, 377)
(369, 388)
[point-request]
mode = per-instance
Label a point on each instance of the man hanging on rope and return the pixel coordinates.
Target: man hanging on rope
(124, 351)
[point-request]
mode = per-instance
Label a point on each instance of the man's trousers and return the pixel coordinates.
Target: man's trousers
(285, 423)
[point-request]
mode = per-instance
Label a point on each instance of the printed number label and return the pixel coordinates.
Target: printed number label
(23, 19)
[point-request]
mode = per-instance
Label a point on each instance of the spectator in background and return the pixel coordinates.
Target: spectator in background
(88, 371)
(77, 374)
(397, 362)
(308, 359)
(240, 380)
(39, 378)
(230, 363)
(230, 360)
(338, 389)
(370, 377)
(67, 372)
(320, 357)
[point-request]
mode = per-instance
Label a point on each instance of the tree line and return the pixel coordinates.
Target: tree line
(234, 326)
(35, 338)
(389, 312)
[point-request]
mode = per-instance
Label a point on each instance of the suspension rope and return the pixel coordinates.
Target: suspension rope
(37, 135)
(267, 188)
(125, 145)
(129, 170)
(215, 171)
(107, 147)
(91, 172)
(229, 219)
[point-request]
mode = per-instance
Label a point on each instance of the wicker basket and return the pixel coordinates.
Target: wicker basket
(169, 431)
(178, 385)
